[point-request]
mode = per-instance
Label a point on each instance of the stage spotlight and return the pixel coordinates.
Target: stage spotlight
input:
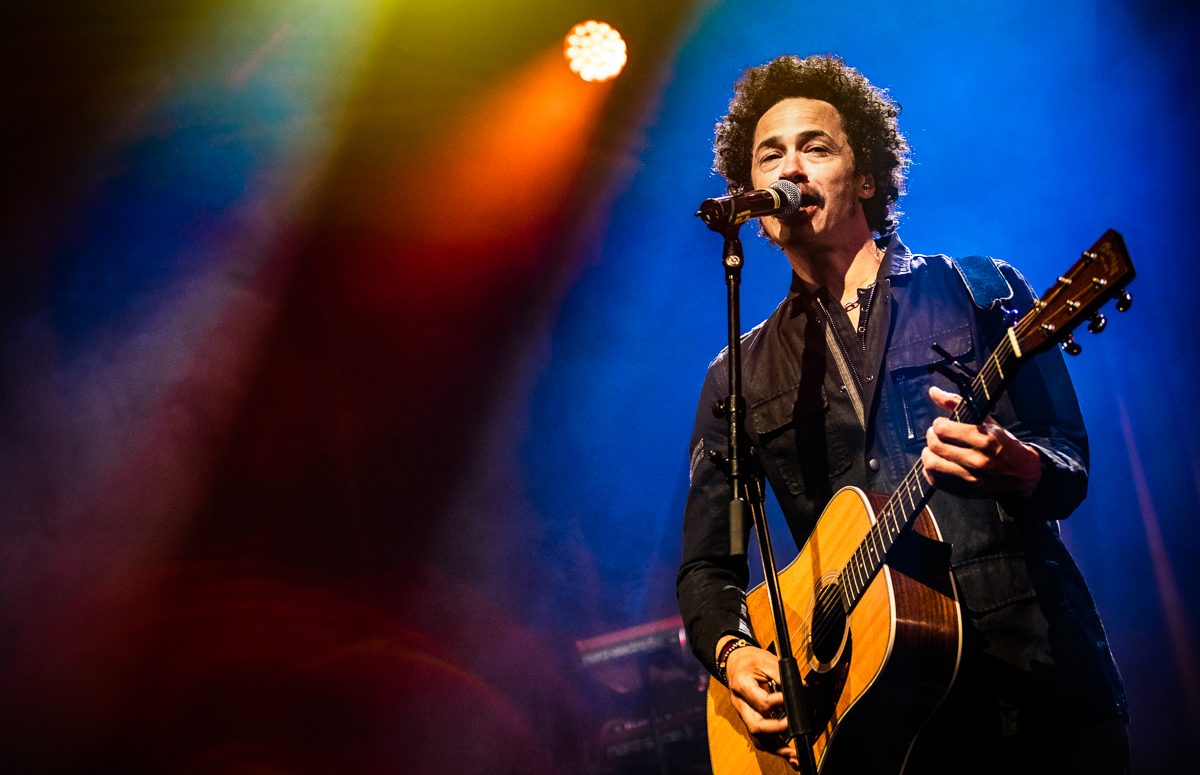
(595, 51)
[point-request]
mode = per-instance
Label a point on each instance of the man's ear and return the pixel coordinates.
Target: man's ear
(866, 189)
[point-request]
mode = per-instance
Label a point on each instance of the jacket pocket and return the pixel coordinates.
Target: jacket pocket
(992, 582)
(794, 436)
(909, 366)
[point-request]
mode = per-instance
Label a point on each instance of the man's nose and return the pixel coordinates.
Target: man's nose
(792, 169)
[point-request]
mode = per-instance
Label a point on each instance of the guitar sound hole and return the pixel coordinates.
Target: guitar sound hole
(829, 623)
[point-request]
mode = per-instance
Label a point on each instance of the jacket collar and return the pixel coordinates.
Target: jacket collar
(897, 258)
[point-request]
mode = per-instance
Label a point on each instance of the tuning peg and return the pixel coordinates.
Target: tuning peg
(1098, 323)
(1124, 300)
(1070, 346)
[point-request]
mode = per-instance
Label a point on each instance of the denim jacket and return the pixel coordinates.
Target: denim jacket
(1032, 636)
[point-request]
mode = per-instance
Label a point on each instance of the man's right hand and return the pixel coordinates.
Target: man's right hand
(753, 676)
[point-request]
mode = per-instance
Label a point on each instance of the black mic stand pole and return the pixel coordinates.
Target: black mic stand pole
(737, 471)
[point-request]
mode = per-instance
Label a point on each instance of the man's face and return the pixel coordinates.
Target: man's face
(802, 140)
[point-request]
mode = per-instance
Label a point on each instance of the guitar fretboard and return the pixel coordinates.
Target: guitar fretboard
(914, 491)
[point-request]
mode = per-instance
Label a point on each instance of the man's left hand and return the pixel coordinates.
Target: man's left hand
(977, 461)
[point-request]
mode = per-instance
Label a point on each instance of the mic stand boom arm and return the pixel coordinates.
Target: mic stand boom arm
(738, 471)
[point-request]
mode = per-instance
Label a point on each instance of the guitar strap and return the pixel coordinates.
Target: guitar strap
(983, 280)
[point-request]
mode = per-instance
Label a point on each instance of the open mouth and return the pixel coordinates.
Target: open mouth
(809, 202)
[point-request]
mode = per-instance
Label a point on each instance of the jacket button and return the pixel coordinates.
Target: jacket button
(874, 464)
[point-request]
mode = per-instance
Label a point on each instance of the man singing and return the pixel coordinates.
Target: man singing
(838, 393)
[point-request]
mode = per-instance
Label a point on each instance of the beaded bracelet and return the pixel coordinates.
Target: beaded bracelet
(723, 659)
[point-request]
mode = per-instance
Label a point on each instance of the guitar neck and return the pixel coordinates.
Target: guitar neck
(914, 491)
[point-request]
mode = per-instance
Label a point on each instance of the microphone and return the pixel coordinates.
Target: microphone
(781, 198)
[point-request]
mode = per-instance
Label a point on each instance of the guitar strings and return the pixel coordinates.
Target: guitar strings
(883, 533)
(887, 527)
(823, 611)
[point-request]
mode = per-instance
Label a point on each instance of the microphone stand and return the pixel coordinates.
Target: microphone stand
(737, 469)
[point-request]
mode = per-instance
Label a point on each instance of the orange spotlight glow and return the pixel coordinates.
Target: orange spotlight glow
(595, 51)
(522, 145)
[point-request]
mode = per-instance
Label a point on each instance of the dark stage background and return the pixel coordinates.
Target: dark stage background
(349, 352)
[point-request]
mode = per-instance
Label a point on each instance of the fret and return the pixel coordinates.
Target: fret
(1004, 352)
(1012, 340)
(973, 403)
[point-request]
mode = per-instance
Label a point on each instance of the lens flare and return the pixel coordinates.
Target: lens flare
(595, 51)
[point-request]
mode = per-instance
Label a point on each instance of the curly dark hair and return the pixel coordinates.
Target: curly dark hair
(868, 119)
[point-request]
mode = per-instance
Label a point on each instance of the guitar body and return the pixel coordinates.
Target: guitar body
(873, 683)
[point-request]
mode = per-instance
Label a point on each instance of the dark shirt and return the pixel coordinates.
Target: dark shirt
(818, 423)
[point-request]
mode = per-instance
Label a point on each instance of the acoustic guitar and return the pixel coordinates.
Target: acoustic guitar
(871, 604)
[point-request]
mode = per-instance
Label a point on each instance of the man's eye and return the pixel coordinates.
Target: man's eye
(817, 149)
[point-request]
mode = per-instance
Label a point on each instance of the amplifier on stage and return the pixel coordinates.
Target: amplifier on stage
(647, 693)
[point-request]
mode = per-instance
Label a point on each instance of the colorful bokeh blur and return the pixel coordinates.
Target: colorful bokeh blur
(349, 351)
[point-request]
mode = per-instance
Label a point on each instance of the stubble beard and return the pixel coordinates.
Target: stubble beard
(798, 234)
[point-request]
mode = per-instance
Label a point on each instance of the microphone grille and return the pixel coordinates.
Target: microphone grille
(791, 196)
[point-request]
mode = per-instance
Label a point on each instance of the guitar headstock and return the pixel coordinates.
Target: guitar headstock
(1099, 275)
